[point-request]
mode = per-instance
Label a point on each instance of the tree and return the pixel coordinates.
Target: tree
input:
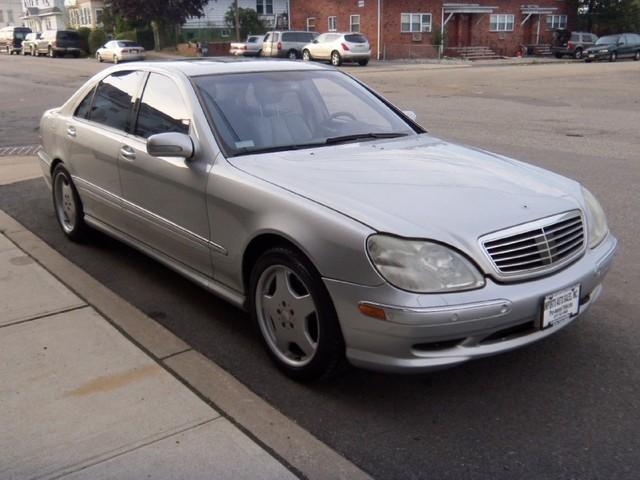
(161, 14)
(608, 16)
(248, 18)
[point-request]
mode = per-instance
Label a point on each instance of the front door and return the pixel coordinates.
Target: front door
(164, 198)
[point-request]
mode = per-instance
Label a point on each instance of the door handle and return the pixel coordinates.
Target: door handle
(71, 131)
(127, 152)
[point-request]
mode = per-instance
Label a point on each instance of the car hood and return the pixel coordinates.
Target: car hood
(419, 187)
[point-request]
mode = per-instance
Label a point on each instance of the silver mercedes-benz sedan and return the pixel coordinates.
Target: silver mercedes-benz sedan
(296, 192)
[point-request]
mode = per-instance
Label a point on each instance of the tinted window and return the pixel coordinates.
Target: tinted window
(114, 99)
(297, 37)
(575, 37)
(127, 43)
(355, 38)
(161, 109)
(608, 40)
(83, 109)
(64, 35)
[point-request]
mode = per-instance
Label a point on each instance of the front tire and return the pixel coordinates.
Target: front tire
(306, 55)
(99, 57)
(116, 60)
(577, 54)
(51, 53)
(67, 205)
(336, 59)
(295, 316)
(636, 57)
(558, 55)
(613, 57)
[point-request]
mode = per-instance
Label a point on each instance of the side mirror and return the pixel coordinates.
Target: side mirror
(170, 144)
(620, 44)
(315, 41)
(410, 114)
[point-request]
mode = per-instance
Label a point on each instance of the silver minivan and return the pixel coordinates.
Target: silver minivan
(286, 44)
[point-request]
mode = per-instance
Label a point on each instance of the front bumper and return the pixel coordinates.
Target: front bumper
(431, 331)
(596, 55)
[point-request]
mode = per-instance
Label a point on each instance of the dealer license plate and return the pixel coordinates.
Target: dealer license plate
(560, 306)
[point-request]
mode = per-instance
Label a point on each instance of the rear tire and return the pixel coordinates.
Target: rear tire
(577, 54)
(558, 55)
(295, 316)
(336, 59)
(67, 205)
(116, 60)
(292, 55)
(51, 53)
(363, 63)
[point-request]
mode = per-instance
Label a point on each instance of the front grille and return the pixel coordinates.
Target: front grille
(538, 246)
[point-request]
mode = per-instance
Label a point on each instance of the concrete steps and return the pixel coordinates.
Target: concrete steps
(473, 53)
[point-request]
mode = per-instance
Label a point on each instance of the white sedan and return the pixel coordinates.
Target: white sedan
(120, 50)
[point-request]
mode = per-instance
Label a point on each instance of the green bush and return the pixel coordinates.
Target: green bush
(84, 33)
(97, 38)
(127, 35)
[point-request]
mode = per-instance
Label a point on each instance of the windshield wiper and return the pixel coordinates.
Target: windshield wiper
(279, 148)
(363, 136)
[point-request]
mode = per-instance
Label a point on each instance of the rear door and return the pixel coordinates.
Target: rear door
(95, 135)
(164, 198)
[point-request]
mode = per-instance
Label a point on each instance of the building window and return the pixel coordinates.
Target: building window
(99, 16)
(225, 33)
(311, 24)
(333, 24)
(264, 7)
(415, 22)
(556, 21)
(501, 23)
(354, 23)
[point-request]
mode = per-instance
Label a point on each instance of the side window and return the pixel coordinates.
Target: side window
(84, 108)
(161, 109)
(114, 98)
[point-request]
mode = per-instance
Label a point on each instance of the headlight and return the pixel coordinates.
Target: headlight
(604, 51)
(421, 266)
(596, 219)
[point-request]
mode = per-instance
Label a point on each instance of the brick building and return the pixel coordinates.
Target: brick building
(401, 28)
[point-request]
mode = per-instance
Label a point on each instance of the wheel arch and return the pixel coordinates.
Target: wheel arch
(263, 242)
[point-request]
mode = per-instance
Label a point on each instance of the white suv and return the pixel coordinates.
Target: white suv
(338, 48)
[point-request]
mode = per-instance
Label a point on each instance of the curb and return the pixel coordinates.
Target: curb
(296, 448)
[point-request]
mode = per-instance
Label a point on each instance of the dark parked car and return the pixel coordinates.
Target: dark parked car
(612, 47)
(573, 44)
(11, 39)
(59, 43)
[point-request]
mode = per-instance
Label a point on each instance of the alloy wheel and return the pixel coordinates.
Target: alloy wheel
(305, 56)
(65, 203)
(287, 315)
(335, 59)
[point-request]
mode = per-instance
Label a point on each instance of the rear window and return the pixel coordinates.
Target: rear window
(68, 36)
(127, 43)
(575, 37)
(20, 34)
(355, 38)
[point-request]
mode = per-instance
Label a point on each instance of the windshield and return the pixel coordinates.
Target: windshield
(269, 111)
(608, 40)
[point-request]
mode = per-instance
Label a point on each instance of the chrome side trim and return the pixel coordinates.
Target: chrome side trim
(161, 220)
(228, 294)
(445, 314)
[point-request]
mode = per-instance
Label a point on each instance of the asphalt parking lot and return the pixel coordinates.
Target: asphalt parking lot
(563, 408)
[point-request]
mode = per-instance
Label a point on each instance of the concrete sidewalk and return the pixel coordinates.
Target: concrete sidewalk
(79, 400)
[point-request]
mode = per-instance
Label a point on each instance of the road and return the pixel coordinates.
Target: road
(563, 408)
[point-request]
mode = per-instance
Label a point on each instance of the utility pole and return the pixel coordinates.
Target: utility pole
(237, 11)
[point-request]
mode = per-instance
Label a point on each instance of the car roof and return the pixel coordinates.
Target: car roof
(217, 65)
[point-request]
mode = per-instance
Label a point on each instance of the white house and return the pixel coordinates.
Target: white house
(274, 13)
(10, 13)
(41, 15)
(84, 13)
